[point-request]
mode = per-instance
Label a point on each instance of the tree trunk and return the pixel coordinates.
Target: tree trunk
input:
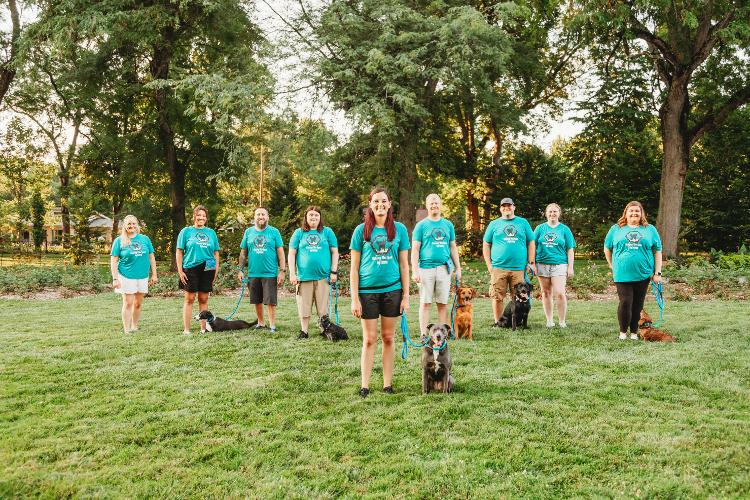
(7, 69)
(472, 208)
(160, 71)
(675, 141)
(65, 206)
(407, 210)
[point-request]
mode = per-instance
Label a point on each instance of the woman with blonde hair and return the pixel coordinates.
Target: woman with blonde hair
(131, 258)
(633, 251)
(555, 251)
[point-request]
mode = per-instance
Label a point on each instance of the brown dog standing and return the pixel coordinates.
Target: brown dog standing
(464, 322)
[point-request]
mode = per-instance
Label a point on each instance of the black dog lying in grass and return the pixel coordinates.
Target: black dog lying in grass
(331, 331)
(517, 311)
(214, 324)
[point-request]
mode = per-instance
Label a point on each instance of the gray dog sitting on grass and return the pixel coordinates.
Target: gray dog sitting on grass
(436, 360)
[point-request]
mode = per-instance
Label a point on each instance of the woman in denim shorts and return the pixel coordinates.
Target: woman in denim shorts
(554, 258)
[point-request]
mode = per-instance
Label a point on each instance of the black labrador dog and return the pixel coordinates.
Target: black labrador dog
(516, 313)
(331, 331)
(214, 324)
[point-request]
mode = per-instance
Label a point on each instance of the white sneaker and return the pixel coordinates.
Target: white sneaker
(186, 332)
(563, 324)
(633, 336)
(550, 324)
(623, 335)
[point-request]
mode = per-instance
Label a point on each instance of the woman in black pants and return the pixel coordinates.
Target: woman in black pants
(633, 251)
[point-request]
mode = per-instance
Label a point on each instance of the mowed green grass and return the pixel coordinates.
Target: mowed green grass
(87, 411)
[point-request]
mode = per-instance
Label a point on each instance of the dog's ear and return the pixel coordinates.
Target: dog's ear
(429, 327)
(447, 328)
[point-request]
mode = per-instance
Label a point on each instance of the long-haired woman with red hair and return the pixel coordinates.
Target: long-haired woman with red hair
(379, 283)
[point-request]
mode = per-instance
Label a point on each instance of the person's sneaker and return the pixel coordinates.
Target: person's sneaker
(273, 329)
(388, 390)
(363, 392)
(303, 335)
(633, 336)
(259, 327)
(186, 332)
(253, 323)
(623, 335)
(563, 324)
(203, 332)
(551, 324)
(496, 324)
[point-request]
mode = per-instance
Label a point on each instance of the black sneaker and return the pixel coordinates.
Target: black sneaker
(388, 390)
(259, 327)
(363, 392)
(496, 324)
(302, 335)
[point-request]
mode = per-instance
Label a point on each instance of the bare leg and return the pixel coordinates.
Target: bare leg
(187, 310)
(546, 285)
(387, 332)
(369, 344)
(558, 290)
(203, 306)
(497, 309)
(128, 299)
(271, 316)
(259, 314)
(442, 313)
(424, 318)
(137, 306)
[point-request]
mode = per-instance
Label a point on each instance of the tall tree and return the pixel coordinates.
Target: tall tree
(9, 45)
(680, 37)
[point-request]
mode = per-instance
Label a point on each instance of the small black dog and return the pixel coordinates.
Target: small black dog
(331, 331)
(437, 363)
(517, 311)
(214, 324)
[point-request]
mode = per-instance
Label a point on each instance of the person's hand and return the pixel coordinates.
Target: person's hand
(533, 268)
(280, 278)
(293, 279)
(154, 279)
(415, 276)
(240, 275)
(333, 277)
(656, 278)
(571, 272)
(116, 283)
(404, 303)
(458, 275)
(183, 276)
(356, 307)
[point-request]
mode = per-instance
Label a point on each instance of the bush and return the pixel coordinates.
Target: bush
(590, 279)
(24, 280)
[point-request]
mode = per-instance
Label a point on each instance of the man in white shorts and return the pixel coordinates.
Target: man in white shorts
(433, 254)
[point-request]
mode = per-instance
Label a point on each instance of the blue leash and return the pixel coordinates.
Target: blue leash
(526, 278)
(408, 341)
(658, 290)
(454, 309)
(239, 301)
(331, 303)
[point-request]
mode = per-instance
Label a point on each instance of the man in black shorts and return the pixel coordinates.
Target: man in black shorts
(263, 250)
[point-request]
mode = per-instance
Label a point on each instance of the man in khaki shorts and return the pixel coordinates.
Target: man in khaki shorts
(433, 254)
(508, 247)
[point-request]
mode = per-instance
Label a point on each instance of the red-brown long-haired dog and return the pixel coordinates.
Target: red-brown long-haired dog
(649, 333)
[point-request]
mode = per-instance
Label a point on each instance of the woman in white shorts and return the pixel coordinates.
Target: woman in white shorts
(131, 258)
(554, 261)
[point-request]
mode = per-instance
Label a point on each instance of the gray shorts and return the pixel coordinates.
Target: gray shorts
(434, 285)
(551, 270)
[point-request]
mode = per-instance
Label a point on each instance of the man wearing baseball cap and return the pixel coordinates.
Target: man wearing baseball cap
(508, 247)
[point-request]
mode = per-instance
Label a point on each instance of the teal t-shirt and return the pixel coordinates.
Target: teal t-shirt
(553, 243)
(134, 263)
(199, 245)
(261, 251)
(632, 251)
(378, 267)
(509, 239)
(313, 253)
(435, 238)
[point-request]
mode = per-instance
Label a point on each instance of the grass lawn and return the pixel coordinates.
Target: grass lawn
(87, 411)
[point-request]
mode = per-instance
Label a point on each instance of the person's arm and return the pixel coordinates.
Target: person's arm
(178, 257)
(608, 256)
(114, 261)
(292, 266)
(334, 264)
(531, 249)
(282, 266)
(243, 263)
(403, 266)
(486, 252)
(356, 306)
(415, 246)
(571, 258)
(657, 266)
(152, 260)
(217, 258)
(456, 262)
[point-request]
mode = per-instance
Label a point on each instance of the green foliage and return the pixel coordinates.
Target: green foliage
(26, 280)
(38, 210)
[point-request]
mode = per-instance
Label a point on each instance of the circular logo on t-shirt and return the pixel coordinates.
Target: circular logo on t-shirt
(439, 234)
(260, 241)
(313, 239)
(135, 246)
(550, 237)
(201, 238)
(510, 230)
(380, 244)
(633, 236)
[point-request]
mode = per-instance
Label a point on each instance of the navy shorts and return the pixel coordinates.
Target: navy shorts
(198, 279)
(386, 304)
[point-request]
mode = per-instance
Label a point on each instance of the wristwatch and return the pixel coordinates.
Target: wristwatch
(658, 273)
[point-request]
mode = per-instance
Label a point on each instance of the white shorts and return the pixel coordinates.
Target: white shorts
(434, 285)
(551, 270)
(128, 286)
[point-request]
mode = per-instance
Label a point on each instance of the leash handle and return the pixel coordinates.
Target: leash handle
(658, 291)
